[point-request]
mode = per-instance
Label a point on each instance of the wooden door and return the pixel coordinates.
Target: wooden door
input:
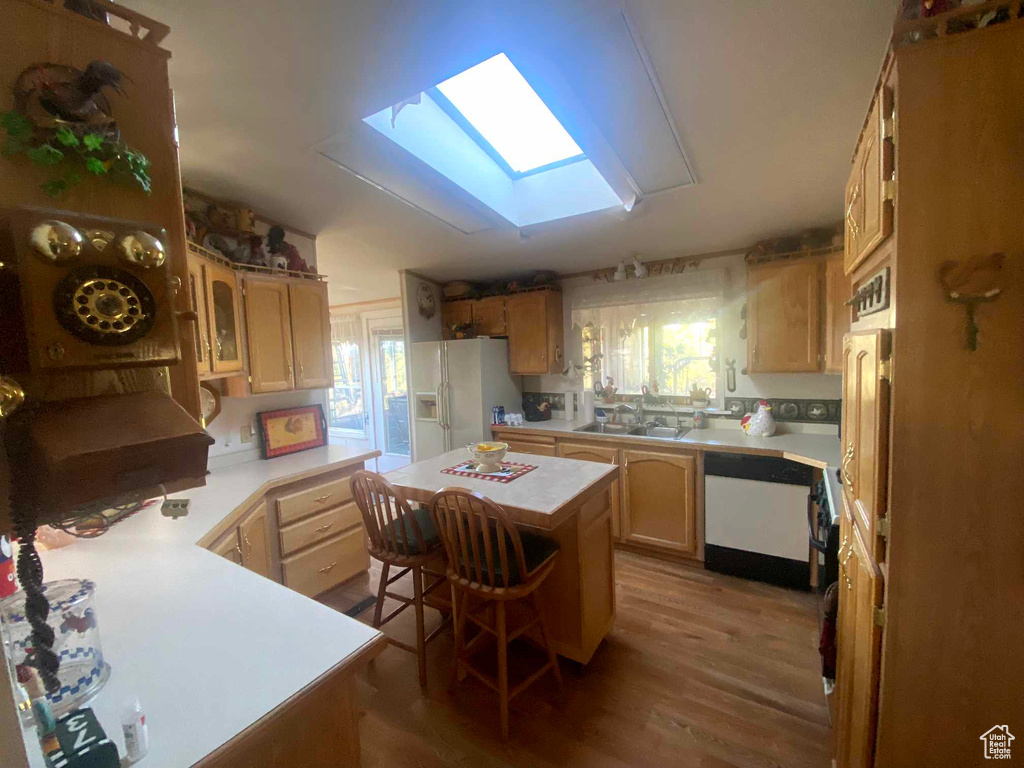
(869, 204)
(489, 317)
(229, 548)
(268, 320)
(224, 317)
(866, 428)
(837, 312)
(197, 303)
(783, 305)
(311, 334)
(527, 334)
(255, 544)
(584, 452)
(660, 500)
(455, 313)
(859, 646)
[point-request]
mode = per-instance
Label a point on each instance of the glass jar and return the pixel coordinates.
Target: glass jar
(76, 642)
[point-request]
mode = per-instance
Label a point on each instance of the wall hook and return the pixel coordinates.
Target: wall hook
(977, 280)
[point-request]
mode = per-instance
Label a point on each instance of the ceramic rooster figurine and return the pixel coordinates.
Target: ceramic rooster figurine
(54, 94)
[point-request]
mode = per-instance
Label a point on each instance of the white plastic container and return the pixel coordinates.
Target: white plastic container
(136, 733)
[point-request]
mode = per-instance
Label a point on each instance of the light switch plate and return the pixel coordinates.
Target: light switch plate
(245, 433)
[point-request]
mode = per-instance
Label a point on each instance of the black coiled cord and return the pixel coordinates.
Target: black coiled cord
(30, 567)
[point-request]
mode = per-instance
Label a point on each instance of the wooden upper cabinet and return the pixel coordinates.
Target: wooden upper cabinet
(254, 541)
(311, 334)
(865, 429)
(455, 313)
(660, 500)
(197, 303)
(535, 332)
(602, 455)
(268, 320)
(783, 306)
(859, 650)
(869, 210)
(224, 316)
(837, 312)
(489, 317)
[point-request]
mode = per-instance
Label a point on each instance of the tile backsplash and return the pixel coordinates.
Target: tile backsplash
(784, 409)
(789, 409)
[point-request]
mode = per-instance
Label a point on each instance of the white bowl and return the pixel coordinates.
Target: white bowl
(488, 456)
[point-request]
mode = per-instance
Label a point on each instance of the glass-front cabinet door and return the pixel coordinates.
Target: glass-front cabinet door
(197, 303)
(224, 318)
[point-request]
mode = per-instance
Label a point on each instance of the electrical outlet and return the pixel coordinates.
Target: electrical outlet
(245, 433)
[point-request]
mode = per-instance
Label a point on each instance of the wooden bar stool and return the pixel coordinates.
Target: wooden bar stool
(491, 563)
(406, 538)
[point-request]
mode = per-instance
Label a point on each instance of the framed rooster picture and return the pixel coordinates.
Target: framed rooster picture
(290, 430)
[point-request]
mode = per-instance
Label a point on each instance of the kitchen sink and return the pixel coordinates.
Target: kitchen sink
(667, 433)
(609, 429)
(663, 433)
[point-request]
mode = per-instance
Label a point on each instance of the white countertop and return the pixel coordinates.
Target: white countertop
(817, 450)
(208, 646)
(545, 490)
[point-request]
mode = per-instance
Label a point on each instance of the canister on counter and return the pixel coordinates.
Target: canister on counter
(498, 414)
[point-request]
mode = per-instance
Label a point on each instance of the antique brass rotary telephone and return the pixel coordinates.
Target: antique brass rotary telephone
(84, 298)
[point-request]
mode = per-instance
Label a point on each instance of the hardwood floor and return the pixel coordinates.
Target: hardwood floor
(701, 670)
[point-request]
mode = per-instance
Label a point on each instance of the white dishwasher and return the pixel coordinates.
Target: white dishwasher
(756, 518)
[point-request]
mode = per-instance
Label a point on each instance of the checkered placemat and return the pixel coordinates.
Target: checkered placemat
(509, 471)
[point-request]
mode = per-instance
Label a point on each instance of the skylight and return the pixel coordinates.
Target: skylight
(499, 105)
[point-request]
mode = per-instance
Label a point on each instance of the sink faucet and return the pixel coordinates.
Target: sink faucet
(626, 408)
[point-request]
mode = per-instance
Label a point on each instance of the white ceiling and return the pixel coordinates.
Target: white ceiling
(768, 99)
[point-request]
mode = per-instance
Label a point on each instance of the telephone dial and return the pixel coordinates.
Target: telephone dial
(84, 292)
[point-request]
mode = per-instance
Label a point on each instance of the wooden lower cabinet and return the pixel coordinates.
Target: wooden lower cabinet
(660, 500)
(252, 536)
(229, 547)
(859, 645)
(537, 446)
(314, 542)
(602, 455)
(327, 564)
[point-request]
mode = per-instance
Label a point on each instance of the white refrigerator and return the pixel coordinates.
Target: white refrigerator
(455, 384)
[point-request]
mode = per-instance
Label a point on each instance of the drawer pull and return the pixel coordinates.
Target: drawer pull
(324, 528)
(327, 568)
(322, 499)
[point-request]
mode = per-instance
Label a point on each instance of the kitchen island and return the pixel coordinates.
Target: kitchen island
(567, 500)
(231, 668)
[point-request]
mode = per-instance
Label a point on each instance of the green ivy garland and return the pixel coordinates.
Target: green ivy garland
(66, 151)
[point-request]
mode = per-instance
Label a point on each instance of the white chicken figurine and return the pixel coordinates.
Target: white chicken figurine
(760, 423)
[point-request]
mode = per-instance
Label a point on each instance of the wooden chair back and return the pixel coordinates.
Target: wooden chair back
(477, 535)
(387, 517)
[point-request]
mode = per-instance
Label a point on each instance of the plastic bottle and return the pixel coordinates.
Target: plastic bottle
(136, 734)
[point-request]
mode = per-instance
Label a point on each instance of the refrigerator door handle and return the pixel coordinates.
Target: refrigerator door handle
(439, 408)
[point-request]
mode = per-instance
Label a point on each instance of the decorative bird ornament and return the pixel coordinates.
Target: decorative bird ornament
(51, 95)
